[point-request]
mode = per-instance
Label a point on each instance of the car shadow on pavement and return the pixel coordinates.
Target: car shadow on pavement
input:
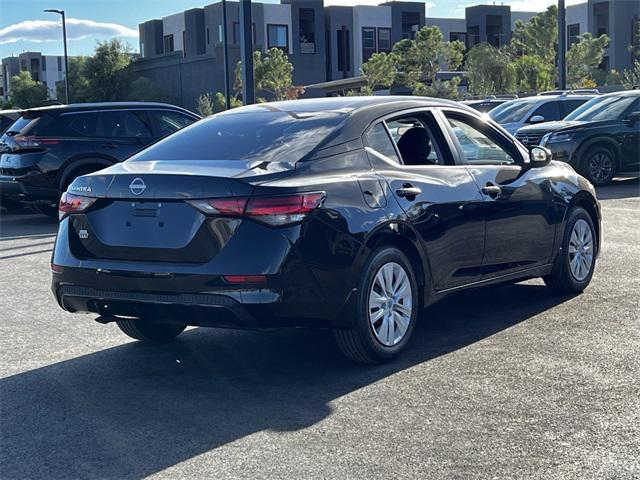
(136, 409)
(619, 189)
(24, 224)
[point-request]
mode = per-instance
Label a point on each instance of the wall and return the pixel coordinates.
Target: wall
(367, 16)
(174, 25)
(335, 18)
(447, 25)
(275, 14)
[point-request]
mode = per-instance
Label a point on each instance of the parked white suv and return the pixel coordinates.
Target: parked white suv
(516, 114)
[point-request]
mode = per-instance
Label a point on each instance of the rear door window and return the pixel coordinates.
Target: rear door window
(69, 125)
(169, 122)
(123, 124)
(378, 139)
(548, 110)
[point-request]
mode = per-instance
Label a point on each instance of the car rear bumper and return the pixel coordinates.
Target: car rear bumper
(20, 188)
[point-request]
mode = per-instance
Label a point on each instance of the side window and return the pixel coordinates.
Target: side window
(569, 106)
(83, 124)
(378, 139)
(548, 110)
(123, 124)
(478, 147)
(169, 122)
(416, 141)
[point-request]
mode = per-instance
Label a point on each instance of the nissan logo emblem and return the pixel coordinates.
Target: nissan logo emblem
(137, 186)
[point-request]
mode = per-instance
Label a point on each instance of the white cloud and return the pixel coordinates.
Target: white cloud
(49, 30)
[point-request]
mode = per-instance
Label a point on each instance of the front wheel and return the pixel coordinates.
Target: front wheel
(149, 331)
(599, 165)
(387, 309)
(577, 259)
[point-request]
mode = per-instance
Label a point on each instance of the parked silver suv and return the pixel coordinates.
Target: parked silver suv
(516, 114)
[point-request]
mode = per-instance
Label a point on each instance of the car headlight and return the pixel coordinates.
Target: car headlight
(544, 139)
(560, 137)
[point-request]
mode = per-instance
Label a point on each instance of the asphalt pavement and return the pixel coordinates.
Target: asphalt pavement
(510, 382)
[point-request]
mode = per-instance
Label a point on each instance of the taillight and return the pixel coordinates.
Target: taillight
(70, 203)
(283, 209)
(276, 210)
(33, 142)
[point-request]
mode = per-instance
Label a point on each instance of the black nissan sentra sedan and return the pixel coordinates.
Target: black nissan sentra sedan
(346, 213)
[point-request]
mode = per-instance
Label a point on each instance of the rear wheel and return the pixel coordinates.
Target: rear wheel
(386, 311)
(149, 331)
(599, 165)
(10, 204)
(577, 260)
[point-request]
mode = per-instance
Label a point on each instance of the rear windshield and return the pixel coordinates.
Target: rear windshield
(511, 112)
(266, 135)
(23, 125)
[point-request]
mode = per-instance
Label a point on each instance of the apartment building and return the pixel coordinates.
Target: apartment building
(48, 69)
(182, 53)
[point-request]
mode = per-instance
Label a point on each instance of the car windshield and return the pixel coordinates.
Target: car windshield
(601, 109)
(511, 112)
(262, 134)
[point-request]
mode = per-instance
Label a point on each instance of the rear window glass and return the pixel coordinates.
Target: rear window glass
(23, 125)
(261, 134)
(69, 125)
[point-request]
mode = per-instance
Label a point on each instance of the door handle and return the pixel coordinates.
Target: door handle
(408, 191)
(492, 190)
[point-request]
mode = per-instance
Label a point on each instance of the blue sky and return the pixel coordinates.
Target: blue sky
(24, 26)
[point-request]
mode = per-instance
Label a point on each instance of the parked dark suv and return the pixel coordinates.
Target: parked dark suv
(48, 147)
(600, 139)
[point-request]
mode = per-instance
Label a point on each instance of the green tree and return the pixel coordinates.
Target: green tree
(205, 105)
(107, 73)
(272, 74)
(533, 74)
(584, 58)
(379, 70)
(143, 89)
(490, 70)
(78, 83)
(631, 78)
(26, 92)
(219, 103)
(439, 89)
(538, 36)
(634, 48)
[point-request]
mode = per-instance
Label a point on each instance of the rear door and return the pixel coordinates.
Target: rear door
(630, 140)
(437, 197)
(517, 204)
(121, 133)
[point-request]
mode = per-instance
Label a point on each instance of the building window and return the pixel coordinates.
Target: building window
(410, 24)
(208, 36)
(460, 36)
(168, 43)
(278, 37)
(384, 40)
(44, 64)
(184, 43)
(236, 33)
(601, 17)
(142, 49)
(23, 64)
(344, 65)
(635, 38)
(59, 64)
(307, 26)
(368, 42)
(573, 31)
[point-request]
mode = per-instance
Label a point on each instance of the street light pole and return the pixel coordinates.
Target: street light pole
(562, 45)
(66, 56)
(225, 56)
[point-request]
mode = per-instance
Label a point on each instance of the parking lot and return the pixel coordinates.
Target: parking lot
(505, 383)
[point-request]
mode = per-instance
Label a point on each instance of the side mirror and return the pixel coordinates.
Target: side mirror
(633, 118)
(536, 119)
(539, 156)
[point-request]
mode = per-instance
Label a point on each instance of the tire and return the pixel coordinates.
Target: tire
(566, 279)
(599, 165)
(368, 342)
(50, 211)
(150, 332)
(10, 204)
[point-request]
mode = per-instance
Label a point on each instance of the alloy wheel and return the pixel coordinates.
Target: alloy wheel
(390, 304)
(581, 250)
(601, 167)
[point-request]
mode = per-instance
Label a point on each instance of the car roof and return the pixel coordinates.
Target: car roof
(624, 93)
(103, 106)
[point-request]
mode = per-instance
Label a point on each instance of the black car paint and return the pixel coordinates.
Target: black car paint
(621, 136)
(313, 268)
(45, 169)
